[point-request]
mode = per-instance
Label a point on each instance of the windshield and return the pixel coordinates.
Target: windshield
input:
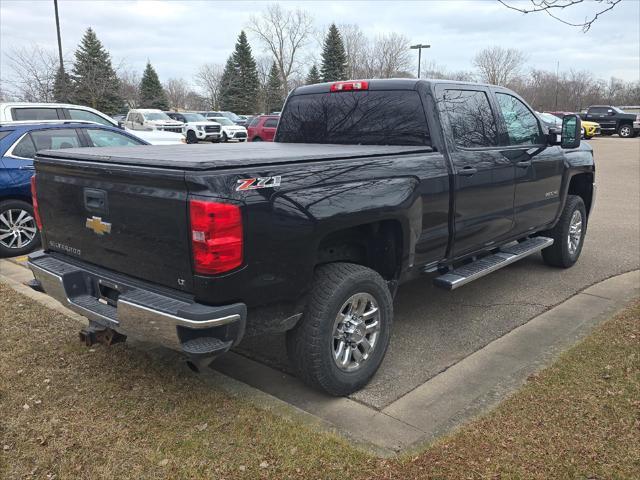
(194, 117)
(232, 116)
(382, 117)
(156, 116)
(222, 121)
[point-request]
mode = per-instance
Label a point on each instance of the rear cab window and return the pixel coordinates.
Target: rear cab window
(367, 117)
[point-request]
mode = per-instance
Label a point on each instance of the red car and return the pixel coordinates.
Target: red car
(263, 128)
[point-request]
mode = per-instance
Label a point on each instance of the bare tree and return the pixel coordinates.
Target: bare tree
(554, 7)
(209, 79)
(499, 66)
(389, 56)
(433, 70)
(33, 73)
(195, 101)
(356, 46)
(129, 86)
(176, 90)
(283, 33)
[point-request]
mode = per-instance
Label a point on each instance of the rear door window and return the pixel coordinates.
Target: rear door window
(109, 138)
(76, 114)
(271, 123)
(369, 117)
(34, 113)
(55, 139)
(471, 119)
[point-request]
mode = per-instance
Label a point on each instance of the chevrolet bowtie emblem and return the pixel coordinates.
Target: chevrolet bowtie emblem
(98, 226)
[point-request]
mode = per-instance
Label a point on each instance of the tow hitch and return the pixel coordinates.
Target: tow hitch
(95, 333)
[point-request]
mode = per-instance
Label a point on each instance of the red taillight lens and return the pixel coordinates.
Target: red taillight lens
(216, 236)
(34, 201)
(349, 86)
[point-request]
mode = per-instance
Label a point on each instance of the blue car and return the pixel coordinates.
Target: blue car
(19, 142)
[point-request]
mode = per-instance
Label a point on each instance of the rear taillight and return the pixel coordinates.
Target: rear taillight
(216, 236)
(34, 201)
(349, 86)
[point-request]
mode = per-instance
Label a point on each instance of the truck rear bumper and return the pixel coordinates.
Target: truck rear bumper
(131, 308)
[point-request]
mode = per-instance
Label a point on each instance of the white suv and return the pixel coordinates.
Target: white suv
(23, 111)
(196, 127)
(151, 119)
(231, 131)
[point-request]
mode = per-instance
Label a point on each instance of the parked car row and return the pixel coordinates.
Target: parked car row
(19, 142)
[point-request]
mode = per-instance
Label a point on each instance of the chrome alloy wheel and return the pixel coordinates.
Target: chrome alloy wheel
(355, 331)
(575, 232)
(17, 228)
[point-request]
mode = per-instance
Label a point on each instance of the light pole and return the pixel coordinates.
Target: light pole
(419, 47)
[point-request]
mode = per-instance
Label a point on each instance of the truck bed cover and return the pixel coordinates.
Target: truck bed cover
(207, 157)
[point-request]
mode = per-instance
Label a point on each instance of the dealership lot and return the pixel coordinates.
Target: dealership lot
(434, 329)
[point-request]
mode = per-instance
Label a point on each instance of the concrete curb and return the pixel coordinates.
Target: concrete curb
(446, 401)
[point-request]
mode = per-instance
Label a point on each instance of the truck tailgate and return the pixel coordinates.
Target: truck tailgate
(129, 219)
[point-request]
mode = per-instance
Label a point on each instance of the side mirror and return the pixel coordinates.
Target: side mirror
(121, 124)
(571, 131)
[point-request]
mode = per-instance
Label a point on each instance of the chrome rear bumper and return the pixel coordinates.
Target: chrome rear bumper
(126, 306)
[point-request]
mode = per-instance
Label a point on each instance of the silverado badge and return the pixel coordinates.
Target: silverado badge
(98, 226)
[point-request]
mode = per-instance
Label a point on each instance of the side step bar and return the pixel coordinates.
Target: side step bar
(485, 265)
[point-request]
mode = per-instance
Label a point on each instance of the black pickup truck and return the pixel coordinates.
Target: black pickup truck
(368, 184)
(613, 120)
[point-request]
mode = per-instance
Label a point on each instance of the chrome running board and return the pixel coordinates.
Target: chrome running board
(485, 265)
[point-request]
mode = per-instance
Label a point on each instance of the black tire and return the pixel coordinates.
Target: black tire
(191, 137)
(559, 254)
(225, 139)
(8, 209)
(256, 139)
(625, 131)
(588, 137)
(310, 345)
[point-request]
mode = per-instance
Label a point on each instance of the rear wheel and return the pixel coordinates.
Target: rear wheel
(568, 235)
(18, 231)
(256, 139)
(343, 335)
(191, 137)
(625, 131)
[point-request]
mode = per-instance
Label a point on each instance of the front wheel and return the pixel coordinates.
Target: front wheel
(225, 138)
(191, 137)
(344, 332)
(256, 139)
(18, 231)
(625, 131)
(568, 235)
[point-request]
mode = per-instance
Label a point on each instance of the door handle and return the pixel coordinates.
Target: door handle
(468, 171)
(524, 164)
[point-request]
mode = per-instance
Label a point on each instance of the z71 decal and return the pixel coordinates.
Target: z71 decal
(255, 183)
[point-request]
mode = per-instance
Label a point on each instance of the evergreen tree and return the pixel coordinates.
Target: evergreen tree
(152, 95)
(313, 76)
(229, 86)
(95, 83)
(62, 87)
(274, 95)
(241, 86)
(334, 57)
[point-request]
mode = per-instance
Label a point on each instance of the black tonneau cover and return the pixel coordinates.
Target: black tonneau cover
(207, 157)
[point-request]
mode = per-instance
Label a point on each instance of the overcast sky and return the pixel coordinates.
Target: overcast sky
(179, 36)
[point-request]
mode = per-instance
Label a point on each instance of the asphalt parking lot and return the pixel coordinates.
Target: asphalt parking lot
(435, 329)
